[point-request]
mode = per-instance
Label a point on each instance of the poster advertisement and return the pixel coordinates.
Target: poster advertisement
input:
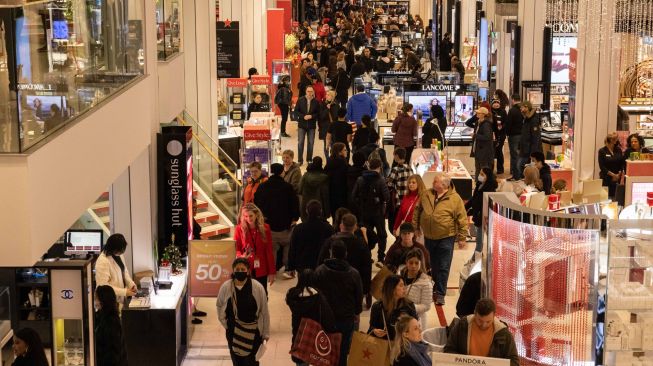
(209, 265)
(560, 59)
(463, 108)
(570, 128)
(424, 103)
(228, 48)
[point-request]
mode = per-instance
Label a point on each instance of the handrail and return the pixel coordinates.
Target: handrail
(217, 159)
(181, 117)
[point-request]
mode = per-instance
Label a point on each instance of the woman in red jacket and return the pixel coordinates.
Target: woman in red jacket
(254, 242)
(408, 203)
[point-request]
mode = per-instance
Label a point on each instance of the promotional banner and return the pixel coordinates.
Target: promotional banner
(228, 48)
(209, 265)
(175, 186)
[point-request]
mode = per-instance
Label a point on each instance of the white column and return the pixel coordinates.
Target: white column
(532, 16)
(597, 90)
(467, 21)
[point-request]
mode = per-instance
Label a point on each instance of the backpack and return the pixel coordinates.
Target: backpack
(368, 198)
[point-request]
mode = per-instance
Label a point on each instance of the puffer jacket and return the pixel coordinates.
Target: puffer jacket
(442, 219)
(420, 292)
(503, 344)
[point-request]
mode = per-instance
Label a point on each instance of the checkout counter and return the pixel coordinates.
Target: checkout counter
(159, 334)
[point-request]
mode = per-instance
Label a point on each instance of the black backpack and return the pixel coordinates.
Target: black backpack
(368, 198)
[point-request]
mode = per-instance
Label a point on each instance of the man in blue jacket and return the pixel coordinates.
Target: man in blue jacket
(359, 105)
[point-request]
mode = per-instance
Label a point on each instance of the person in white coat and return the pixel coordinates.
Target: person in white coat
(419, 288)
(110, 268)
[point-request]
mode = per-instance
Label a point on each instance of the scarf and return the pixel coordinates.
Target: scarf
(419, 353)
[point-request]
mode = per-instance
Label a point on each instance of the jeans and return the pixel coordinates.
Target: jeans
(377, 223)
(347, 331)
(281, 239)
(513, 144)
(441, 252)
(285, 110)
(301, 135)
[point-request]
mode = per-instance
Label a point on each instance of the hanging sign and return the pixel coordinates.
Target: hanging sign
(261, 80)
(228, 48)
(236, 83)
(209, 265)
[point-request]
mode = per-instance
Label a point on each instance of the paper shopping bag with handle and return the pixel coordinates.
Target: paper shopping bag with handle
(367, 350)
(314, 346)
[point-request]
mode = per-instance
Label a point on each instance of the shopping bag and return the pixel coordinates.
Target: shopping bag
(466, 271)
(314, 346)
(377, 282)
(367, 350)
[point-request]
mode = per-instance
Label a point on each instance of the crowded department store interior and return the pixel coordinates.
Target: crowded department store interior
(326, 182)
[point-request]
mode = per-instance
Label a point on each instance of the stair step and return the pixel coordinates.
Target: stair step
(105, 219)
(213, 230)
(202, 204)
(104, 196)
(101, 208)
(206, 216)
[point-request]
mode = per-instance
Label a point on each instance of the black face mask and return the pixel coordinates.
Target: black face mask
(240, 276)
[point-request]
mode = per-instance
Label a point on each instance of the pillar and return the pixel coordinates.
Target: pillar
(467, 22)
(532, 17)
(275, 37)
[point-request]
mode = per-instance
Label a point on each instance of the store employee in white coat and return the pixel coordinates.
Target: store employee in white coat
(110, 268)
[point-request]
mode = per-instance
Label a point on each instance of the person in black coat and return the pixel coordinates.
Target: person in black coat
(499, 117)
(256, 105)
(341, 84)
(446, 46)
(353, 172)
(28, 348)
(483, 145)
(336, 168)
(357, 69)
(328, 114)
(305, 301)
(537, 159)
(531, 134)
(364, 134)
(307, 239)
(513, 126)
(611, 163)
(431, 131)
(392, 305)
(110, 347)
(307, 111)
(487, 182)
(469, 295)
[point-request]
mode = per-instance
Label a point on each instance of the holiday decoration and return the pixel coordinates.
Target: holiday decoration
(172, 257)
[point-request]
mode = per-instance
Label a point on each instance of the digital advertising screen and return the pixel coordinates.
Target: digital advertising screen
(424, 103)
(463, 108)
(560, 59)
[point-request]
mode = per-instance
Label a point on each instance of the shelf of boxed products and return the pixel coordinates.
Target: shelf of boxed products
(628, 332)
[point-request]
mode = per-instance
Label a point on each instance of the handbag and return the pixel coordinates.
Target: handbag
(367, 350)
(242, 343)
(377, 282)
(313, 345)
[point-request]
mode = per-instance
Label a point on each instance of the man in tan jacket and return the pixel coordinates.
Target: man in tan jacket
(440, 215)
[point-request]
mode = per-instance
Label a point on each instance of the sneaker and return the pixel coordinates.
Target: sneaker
(288, 275)
(196, 321)
(199, 313)
(439, 300)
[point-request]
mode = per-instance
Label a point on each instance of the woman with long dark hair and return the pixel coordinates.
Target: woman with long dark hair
(393, 304)
(486, 182)
(336, 168)
(109, 340)
(110, 268)
(28, 349)
(405, 129)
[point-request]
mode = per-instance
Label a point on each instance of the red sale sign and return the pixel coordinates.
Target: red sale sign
(261, 80)
(236, 83)
(209, 265)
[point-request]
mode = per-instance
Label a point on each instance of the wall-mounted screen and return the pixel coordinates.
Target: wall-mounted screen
(424, 103)
(463, 108)
(560, 59)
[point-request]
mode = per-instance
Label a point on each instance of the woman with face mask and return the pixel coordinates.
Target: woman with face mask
(110, 347)
(243, 311)
(419, 288)
(486, 182)
(110, 268)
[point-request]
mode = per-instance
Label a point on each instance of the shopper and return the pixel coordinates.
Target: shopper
(405, 129)
(481, 334)
(279, 204)
(256, 105)
(371, 196)
(354, 171)
(307, 238)
(307, 110)
(110, 268)
(359, 105)
(28, 348)
(363, 133)
(499, 117)
(406, 241)
(341, 84)
(470, 293)
(440, 215)
(531, 181)
(635, 145)
(314, 186)
(243, 312)
(531, 134)
(359, 255)
(611, 163)
(374, 150)
(369, 238)
(446, 49)
(537, 160)
(340, 132)
(341, 285)
(283, 100)
(385, 63)
(56, 118)
(393, 304)
(254, 243)
(292, 173)
(357, 69)
(419, 286)
(409, 202)
(435, 127)
(513, 126)
(368, 61)
(109, 338)
(486, 182)
(483, 145)
(409, 348)
(329, 115)
(318, 86)
(336, 168)
(306, 302)
(255, 179)
(397, 183)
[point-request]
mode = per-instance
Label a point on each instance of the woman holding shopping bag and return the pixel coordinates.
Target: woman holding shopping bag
(393, 304)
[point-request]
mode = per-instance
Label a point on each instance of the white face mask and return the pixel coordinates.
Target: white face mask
(481, 178)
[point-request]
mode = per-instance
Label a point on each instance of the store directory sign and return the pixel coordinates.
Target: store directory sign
(228, 48)
(209, 265)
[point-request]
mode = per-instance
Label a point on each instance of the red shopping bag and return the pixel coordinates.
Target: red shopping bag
(314, 346)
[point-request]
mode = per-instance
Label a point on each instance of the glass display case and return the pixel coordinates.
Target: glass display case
(168, 32)
(628, 330)
(61, 58)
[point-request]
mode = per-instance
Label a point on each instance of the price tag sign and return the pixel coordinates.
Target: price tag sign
(209, 265)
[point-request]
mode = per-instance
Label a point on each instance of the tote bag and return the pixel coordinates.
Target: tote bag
(367, 350)
(314, 346)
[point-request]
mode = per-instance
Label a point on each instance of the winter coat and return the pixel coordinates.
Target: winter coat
(360, 105)
(474, 206)
(484, 142)
(306, 243)
(314, 186)
(284, 95)
(336, 169)
(545, 176)
(377, 316)
(341, 84)
(361, 138)
(250, 188)
(499, 118)
(109, 340)
(442, 219)
(531, 136)
(514, 121)
(312, 305)
(341, 284)
(469, 295)
(371, 180)
(420, 293)
(357, 70)
(503, 344)
(256, 249)
(320, 91)
(395, 257)
(279, 203)
(405, 129)
(301, 110)
(328, 115)
(293, 176)
(262, 315)
(359, 256)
